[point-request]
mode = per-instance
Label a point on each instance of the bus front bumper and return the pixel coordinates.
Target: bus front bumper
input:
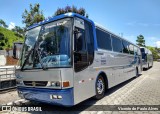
(52, 96)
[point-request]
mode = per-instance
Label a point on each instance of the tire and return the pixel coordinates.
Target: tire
(100, 87)
(148, 66)
(137, 72)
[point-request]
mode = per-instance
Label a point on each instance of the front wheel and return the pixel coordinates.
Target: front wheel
(100, 87)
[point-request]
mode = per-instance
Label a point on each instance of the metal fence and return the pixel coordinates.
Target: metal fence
(7, 78)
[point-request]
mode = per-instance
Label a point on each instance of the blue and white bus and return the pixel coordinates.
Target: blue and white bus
(68, 59)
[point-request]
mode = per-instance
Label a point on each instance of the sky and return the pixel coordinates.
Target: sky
(128, 18)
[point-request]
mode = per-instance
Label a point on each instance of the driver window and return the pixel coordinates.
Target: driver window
(81, 40)
(80, 55)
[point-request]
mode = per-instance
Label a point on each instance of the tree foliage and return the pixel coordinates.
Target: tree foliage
(2, 41)
(3, 24)
(18, 31)
(34, 15)
(7, 37)
(140, 41)
(73, 9)
(155, 52)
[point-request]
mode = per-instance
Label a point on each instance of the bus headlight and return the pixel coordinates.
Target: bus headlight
(55, 84)
(19, 82)
(58, 84)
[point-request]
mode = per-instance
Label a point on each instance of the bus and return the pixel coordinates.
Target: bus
(69, 58)
(147, 58)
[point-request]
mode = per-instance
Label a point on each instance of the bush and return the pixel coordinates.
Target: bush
(1, 48)
(2, 36)
(2, 44)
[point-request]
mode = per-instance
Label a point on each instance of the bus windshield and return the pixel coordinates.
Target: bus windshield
(48, 45)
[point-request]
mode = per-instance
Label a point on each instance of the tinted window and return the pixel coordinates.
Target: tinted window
(103, 40)
(143, 55)
(80, 42)
(125, 47)
(80, 55)
(90, 42)
(142, 50)
(117, 44)
(131, 49)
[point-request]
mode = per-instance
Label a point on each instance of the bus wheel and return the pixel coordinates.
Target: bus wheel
(100, 87)
(137, 72)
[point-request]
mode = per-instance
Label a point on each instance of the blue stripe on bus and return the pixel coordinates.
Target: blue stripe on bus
(43, 95)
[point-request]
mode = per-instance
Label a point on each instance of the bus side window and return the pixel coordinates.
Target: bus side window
(125, 47)
(117, 44)
(103, 40)
(90, 42)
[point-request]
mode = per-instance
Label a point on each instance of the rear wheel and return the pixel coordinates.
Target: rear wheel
(100, 87)
(137, 72)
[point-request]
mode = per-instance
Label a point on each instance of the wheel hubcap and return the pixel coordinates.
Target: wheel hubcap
(100, 86)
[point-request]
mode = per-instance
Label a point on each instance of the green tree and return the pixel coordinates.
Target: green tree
(34, 15)
(2, 41)
(3, 24)
(154, 52)
(73, 9)
(19, 31)
(140, 41)
(1, 36)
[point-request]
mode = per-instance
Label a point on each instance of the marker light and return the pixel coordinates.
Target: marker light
(66, 84)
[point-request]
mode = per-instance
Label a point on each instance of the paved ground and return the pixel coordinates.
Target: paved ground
(143, 90)
(8, 96)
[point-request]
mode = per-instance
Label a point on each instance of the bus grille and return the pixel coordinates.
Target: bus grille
(35, 83)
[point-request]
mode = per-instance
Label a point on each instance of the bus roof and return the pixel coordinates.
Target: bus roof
(59, 17)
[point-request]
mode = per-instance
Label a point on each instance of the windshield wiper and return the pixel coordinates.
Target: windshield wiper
(27, 58)
(39, 57)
